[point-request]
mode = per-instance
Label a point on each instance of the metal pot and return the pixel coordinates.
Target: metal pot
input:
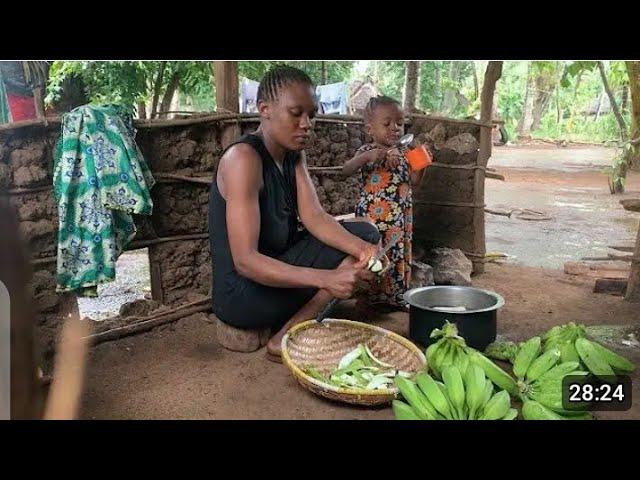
(474, 311)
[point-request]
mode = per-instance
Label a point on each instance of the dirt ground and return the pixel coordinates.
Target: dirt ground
(180, 372)
(568, 185)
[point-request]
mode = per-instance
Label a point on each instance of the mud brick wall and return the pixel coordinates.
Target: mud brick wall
(182, 266)
(445, 206)
(26, 168)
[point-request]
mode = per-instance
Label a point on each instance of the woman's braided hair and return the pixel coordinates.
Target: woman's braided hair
(277, 78)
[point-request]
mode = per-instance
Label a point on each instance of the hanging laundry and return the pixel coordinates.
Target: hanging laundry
(100, 179)
(248, 96)
(333, 98)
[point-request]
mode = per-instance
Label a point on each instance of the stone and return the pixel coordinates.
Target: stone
(450, 266)
(421, 275)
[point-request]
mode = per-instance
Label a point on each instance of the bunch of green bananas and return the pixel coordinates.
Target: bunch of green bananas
(462, 396)
(539, 374)
(450, 349)
(572, 342)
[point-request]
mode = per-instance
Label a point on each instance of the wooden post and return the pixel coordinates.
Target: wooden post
(226, 78)
(491, 76)
(633, 287)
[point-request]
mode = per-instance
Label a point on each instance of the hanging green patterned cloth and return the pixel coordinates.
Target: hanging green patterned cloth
(5, 111)
(100, 179)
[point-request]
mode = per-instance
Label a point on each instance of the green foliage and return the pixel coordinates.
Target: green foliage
(130, 82)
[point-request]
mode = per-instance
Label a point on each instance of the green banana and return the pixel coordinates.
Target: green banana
(497, 407)
(496, 374)
(431, 349)
(558, 372)
(488, 392)
(542, 364)
(512, 414)
(430, 389)
(454, 413)
(592, 358)
(532, 410)
(402, 411)
(568, 352)
(414, 397)
(617, 362)
(529, 350)
(475, 381)
(455, 387)
(463, 362)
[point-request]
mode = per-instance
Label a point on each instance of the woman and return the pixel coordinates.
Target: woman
(268, 273)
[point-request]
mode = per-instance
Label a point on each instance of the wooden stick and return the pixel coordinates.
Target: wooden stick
(20, 191)
(464, 166)
(609, 257)
(451, 204)
(146, 325)
(154, 241)
(43, 261)
(30, 123)
(145, 124)
(169, 177)
(496, 176)
(499, 212)
(135, 245)
(622, 248)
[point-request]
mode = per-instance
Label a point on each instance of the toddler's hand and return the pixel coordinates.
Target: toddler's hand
(376, 155)
(394, 158)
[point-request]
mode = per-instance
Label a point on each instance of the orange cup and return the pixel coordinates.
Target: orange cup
(419, 158)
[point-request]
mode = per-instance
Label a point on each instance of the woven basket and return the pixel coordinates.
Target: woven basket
(322, 345)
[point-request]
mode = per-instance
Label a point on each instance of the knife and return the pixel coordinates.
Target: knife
(324, 312)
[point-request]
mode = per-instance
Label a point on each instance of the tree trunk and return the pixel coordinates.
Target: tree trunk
(544, 91)
(438, 82)
(633, 69)
(558, 109)
(491, 76)
(614, 104)
(168, 95)
(633, 287)
(524, 125)
(450, 101)
(323, 72)
(476, 90)
(411, 79)
(624, 105)
(142, 110)
(156, 89)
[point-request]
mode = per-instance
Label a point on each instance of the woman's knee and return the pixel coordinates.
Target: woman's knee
(364, 229)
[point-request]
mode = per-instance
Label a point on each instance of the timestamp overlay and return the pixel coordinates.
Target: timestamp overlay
(5, 354)
(589, 392)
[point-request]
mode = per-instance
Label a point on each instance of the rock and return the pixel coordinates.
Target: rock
(421, 275)
(438, 135)
(27, 175)
(450, 266)
(138, 308)
(240, 340)
(463, 143)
